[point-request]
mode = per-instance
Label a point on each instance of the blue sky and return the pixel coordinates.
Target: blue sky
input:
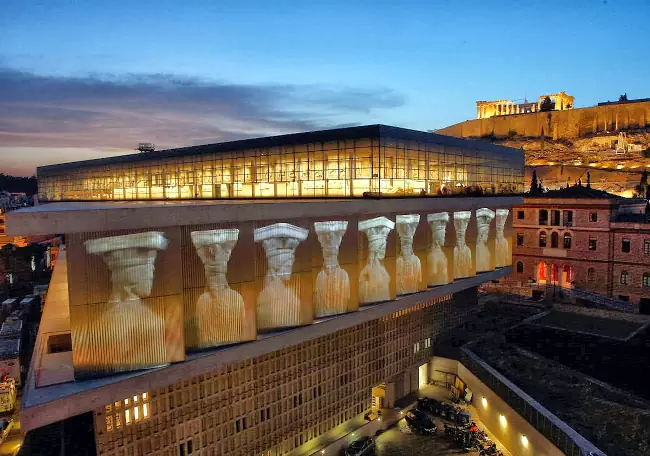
(86, 79)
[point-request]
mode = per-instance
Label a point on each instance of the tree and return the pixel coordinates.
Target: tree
(534, 186)
(547, 105)
(642, 188)
(623, 97)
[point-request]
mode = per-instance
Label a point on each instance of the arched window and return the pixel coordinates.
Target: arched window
(543, 217)
(520, 268)
(542, 239)
(567, 240)
(555, 240)
(624, 278)
(591, 275)
(646, 280)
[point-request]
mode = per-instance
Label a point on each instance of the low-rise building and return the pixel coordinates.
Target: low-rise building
(584, 238)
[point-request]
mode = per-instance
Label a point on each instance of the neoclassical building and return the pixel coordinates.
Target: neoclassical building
(583, 238)
(245, 298)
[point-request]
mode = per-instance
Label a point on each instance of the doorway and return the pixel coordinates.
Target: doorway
(423, 378)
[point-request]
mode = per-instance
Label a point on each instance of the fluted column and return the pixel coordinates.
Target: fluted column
(220, 316)
(278, 306)
(374, 280)
(409, 269)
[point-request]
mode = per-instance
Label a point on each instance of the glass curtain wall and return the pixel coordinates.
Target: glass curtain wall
(343, 168)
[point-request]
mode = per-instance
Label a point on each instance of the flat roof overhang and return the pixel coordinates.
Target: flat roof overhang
(81, 217)
(335, 134)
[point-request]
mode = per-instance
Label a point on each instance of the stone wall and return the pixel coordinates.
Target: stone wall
(572, 123)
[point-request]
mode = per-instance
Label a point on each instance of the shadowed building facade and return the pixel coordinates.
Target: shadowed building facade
(255, 299)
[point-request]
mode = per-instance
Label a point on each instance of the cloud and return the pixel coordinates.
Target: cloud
(107, 111)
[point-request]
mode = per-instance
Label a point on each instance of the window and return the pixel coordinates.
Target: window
(625, 246)
(567, 240)
(624, 278)
(593, 217)
(542, 239)
(591, 275)
(181, 449)
(520, 238)
(543, 217)
(520, 215)
(568, 218)
(623, 298)
(555, 218)
(555, 240)
(646, 246)
(520, 267)
(646, 280)
(189, 446)
(592, 244)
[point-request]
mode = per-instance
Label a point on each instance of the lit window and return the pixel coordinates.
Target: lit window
(135, 398)
(109, 423)
(126, 402)
(145, 410)
(118, 404)
(624, 278)
(118, 420)
(109, 408)
(144, 396)
(127, 415)
(136, 413)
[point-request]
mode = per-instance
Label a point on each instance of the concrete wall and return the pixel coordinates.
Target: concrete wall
(510, 434)
(557, 124)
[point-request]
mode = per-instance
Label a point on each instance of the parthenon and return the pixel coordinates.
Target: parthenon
(485, 109)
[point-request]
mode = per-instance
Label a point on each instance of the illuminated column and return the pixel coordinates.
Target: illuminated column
(127, 334)
(220, 314)
(501, 247)
(484, 217)
(462, 253)
(332, 291)
(277, 305)
(409, 269)
(437, 260)
(374, 280)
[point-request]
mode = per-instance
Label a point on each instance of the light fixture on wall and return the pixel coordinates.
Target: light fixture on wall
(524, 441)
(503, 420)
(484, 402)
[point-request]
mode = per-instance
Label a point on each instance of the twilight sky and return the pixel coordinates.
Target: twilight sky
(82, 80)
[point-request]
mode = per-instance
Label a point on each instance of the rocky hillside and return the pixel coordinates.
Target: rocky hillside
(613, 167)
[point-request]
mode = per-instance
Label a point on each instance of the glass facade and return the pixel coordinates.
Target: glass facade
(340, 168)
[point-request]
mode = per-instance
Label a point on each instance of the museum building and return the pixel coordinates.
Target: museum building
(265, 291)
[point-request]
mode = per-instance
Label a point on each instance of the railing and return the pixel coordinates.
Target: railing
(604, 301)
(549, 425)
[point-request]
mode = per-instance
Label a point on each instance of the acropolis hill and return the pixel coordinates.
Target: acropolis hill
(611, 140)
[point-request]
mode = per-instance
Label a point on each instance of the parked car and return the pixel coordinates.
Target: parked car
(430, 405)
(420, 422)
(6, 424)
(365, 446)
